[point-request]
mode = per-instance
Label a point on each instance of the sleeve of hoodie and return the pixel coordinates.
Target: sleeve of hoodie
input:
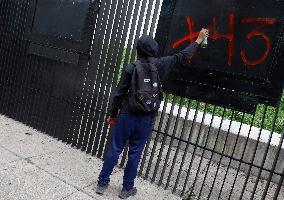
(182, 58)
(121, 91)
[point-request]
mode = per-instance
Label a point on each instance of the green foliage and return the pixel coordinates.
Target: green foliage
(268, 122)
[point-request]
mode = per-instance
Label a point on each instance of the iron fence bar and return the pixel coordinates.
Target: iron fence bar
(143, 160)
(148, 145)
(254, 154)
(110, 62)
(36, 69)
(11, 44)
(279, 43)
(94, 144)
(90, 72)
(148, 17)
(22, 98)
(155, 17)
(26, 117)
(243, 153)
(186, 118)
(30, 104)
(187, 146)
(3, 65)
(133, 30)
(7, 41)
(74, 107)
(2, 53)
(26, 92)
(60, 124)
(194, 151)
(93, 13)
(89, 119)
(117, 63)
(95, 55)
(228, 168)
(10, 80)
(155, 140)
(279, 148)
(105, 50)
(91, 125)
(35, 108)
(266, 152)
(18, 51)
(124, 155)
(164, 140)
(213, 150)
(46, 124)
(70, 132)
(120, 30)
(203, 150)
(171, 141)
(280, 183)
(80, 108)
(139, 27)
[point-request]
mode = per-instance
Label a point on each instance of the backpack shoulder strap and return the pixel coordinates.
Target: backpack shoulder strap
(131, 70)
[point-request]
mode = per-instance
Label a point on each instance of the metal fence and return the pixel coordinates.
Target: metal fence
(193, 150)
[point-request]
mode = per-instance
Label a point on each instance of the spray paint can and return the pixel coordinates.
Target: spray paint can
(204, 43)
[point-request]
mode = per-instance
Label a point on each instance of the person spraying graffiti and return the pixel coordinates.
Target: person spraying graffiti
(136, 102)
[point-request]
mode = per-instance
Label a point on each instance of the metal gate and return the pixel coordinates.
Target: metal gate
(197, 150)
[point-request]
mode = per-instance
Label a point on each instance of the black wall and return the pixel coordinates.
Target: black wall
(244, 49)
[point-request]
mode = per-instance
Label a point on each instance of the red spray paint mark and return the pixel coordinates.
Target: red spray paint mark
(256, 33)
(191, 34)
(230, 36)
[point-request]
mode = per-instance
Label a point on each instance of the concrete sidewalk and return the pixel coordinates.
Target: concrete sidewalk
(35, 166)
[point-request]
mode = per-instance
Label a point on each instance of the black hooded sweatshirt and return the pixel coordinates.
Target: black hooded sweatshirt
(147, 50)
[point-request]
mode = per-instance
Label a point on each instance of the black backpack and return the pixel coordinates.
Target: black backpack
(146, 91)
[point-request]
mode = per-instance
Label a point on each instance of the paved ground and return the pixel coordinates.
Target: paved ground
(35, 166)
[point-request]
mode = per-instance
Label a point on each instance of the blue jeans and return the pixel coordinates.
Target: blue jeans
(133, 128)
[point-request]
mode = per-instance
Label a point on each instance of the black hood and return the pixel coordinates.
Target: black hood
(147, 47)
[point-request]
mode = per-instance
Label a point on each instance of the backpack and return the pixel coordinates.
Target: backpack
(146, 91)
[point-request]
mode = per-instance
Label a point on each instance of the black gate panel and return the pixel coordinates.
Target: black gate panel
(245, 42)
(42, 77)
(61, 30)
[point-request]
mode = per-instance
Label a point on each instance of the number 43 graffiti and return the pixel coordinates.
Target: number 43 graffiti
(256, 32)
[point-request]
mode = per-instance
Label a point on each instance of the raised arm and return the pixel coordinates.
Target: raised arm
(183, 57)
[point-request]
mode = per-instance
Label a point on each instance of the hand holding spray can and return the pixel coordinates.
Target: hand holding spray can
(204, 43)
(204, 34)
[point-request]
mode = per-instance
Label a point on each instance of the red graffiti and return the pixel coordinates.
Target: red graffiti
(191, 36)
(256, 33)
(230, 36)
